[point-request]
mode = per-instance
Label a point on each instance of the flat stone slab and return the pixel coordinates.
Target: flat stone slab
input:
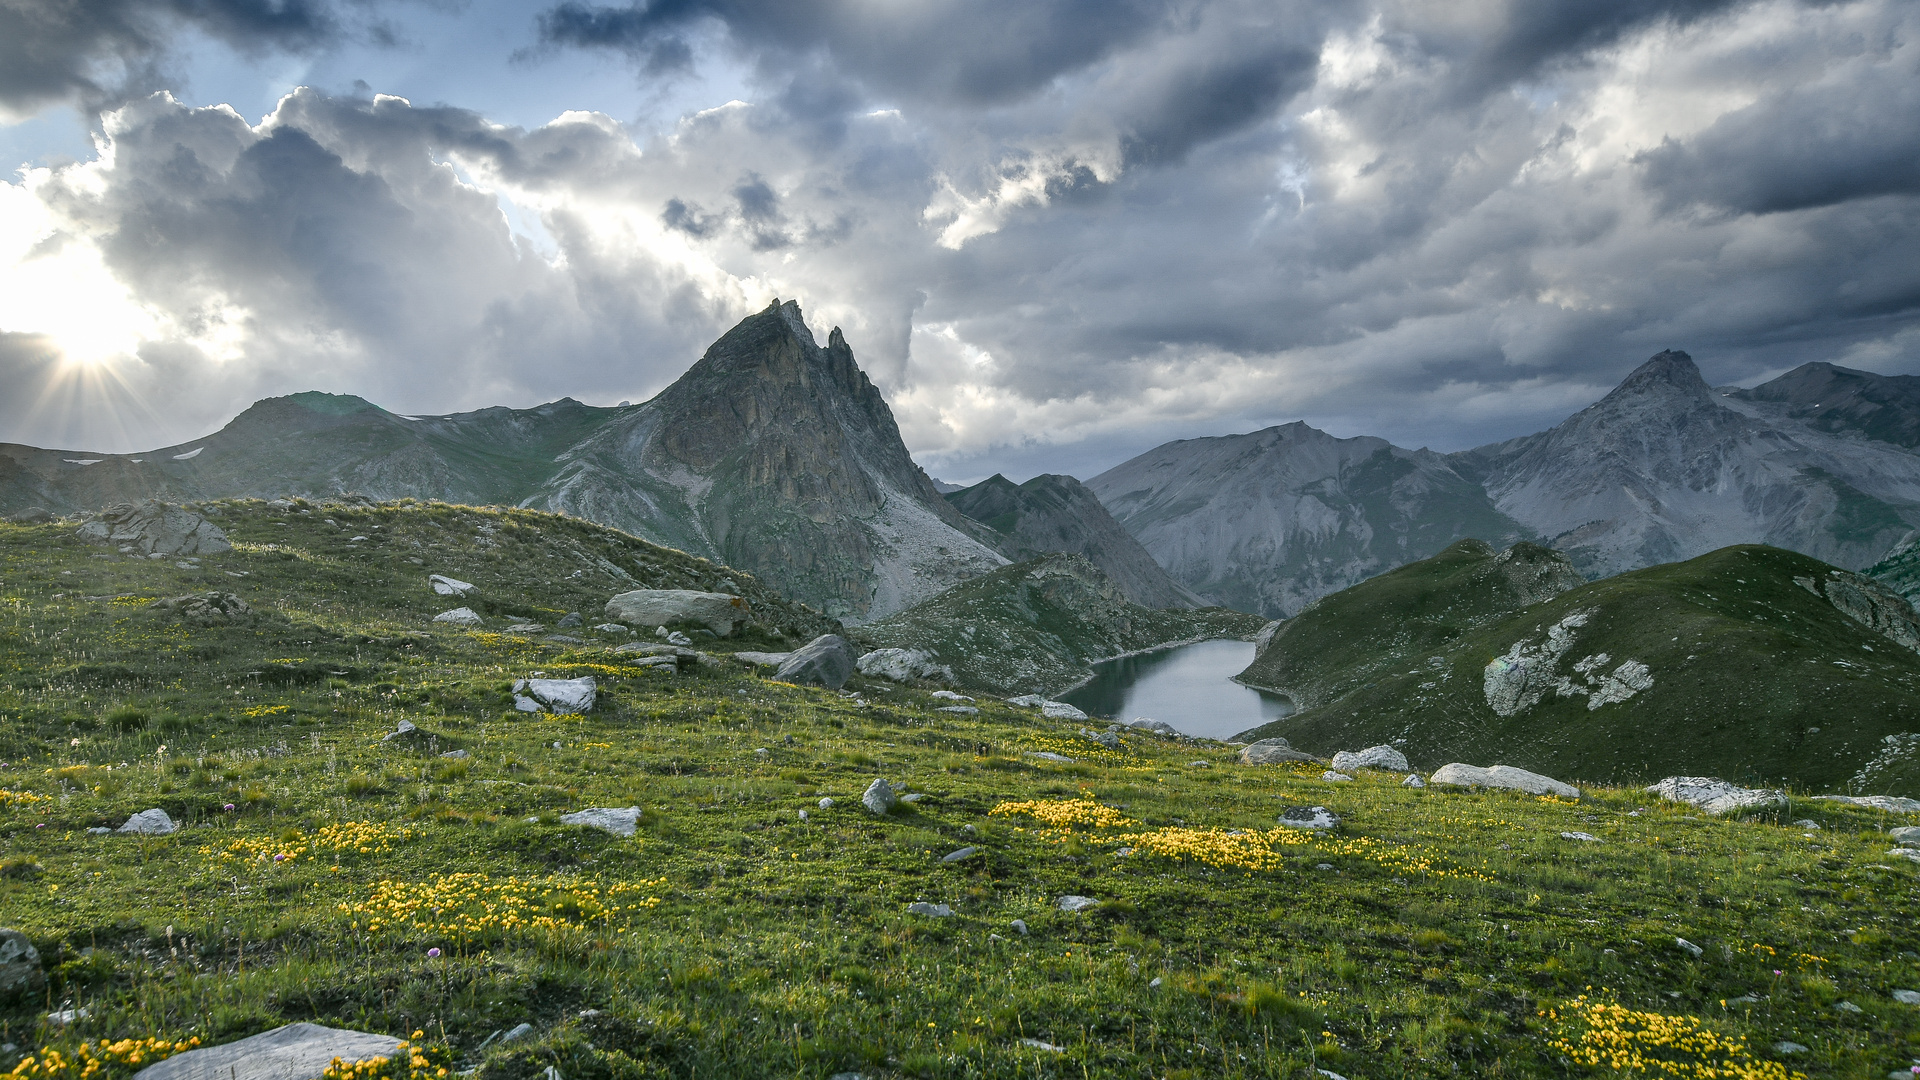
(1890, 803)
(1460, 774)
(294, 1052)
(618, 821)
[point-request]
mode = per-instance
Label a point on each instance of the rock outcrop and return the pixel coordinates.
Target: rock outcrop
(825, 661)
(154, 528)
(721, 613)
(207, 609)
(1502, 776)
(1713, 795)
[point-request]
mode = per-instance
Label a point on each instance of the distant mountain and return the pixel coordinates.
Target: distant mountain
(1752, 663)
(777, 456)
(1841, 400)
(1038, 626)
(771, 454)
(1664, 469)
(1058, 513)
(945, 488)
(1268, 521)
(317, 444)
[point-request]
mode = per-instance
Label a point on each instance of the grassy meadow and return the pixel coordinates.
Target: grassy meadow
(320, 866)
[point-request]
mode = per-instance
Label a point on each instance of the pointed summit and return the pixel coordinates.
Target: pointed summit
(1665, 372)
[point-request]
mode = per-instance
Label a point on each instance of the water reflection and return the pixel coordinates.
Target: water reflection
(1189, 687)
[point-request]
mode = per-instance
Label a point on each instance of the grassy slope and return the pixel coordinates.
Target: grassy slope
(1037, 626)
(1345, 641)
(1447, 939)
(1755, 679)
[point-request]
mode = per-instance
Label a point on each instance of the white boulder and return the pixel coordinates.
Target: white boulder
(618, 821)
(1072, 904)
(1274, 752)
(294, 1052)
(1309, 817)
(1459, 774)
(879, 798)
(1892, 804)
(1715, 796)
(460, 616)
(1333, 777)
(559, 695)
(718, 612)
(153, 822)
(1373, 757)
(1060, 710)
(902, 665)
(446, 586)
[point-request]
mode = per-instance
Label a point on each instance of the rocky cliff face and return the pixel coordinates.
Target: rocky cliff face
(1664, 469)
(777, 456)
(1269, 521)
(1053, 513)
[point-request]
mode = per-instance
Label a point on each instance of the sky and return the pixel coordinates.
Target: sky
(1056, 232)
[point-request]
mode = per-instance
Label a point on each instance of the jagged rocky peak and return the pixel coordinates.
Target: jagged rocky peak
(1664, 373)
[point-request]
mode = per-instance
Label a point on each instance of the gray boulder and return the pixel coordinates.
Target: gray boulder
(1158, 727)
(1060, 710)
(1275, 752)
(153, 822)
(718, 612)
(560, 695)
(1715, 796)
(938, 911)
(209, 608)
(825, 661)
(294, 1052)
(619, 822)
(460, 616)
(1373, 757)
(1071, 904)
(879, 798)
(957, 856)
(1309, 817)
(1502, 776)
(1105, 738)
(902, 665)
(570, 620)
(155, 528)
(446, 586)
(19, 965)
(1413, 780)
(1905, 834)
(1892, 804)
(759, 659)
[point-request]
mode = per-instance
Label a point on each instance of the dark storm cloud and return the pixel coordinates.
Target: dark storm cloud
(1806, 147)
(1526, 37)
(102, 50)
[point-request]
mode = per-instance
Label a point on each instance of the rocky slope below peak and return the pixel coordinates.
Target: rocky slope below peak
(1841, 400)
(1054, 513)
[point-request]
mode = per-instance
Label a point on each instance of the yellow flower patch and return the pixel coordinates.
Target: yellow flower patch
(1606, 1035)
(99, 1061)
(472, 906)
(9, 799)
(1065, 813)
(410, 1061)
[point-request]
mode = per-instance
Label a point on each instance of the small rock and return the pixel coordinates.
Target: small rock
(446, 586)
(1907, 997)
(1892, 804)
(803, 815)
(879, 798)
(460, 616)
(1413, 780)
(1105, 738)
(1905, 834)
(1806, 823)
(570, 620)
(962, 710)
(913, 798)
(1373, 757)
(153, 822)
(1323, 866)
(618, 821)
(1048, 755)
(949, 695)
(1060, 710)
(405, 728)
(1713, 795)
(1027, 701)
(956, 856)
(826, 804)
(1785, 1048)
(1502, 776)
(562, 639)
(1848, 1007)
(1309, 817)
(938, 911)
(456, 755)
(1743, 999)
(1583, 837)
(1199, 764)
(674, 637)
(98, 830)
(519, 1031)
(825, 661)
(1155, 984)
(1158, 727)
(1332, 777)
(63, 1017)
(1072, 904)
(19, 964)
(611, 628)
(1691, 948)
(1019, 927)
(1039, 1045)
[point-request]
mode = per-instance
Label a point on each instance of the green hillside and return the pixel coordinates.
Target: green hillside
(1753, 673)
(326, 873)
(1344, 642)
(1038, 626)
